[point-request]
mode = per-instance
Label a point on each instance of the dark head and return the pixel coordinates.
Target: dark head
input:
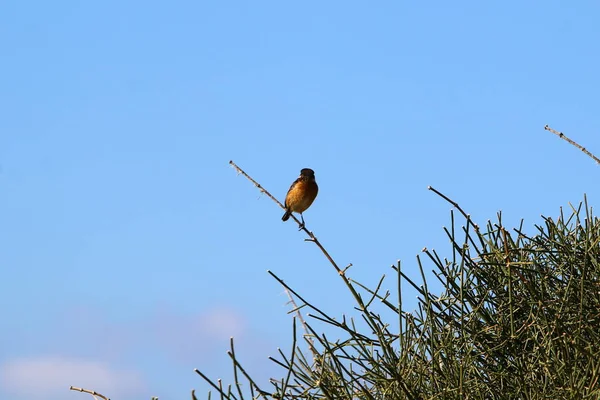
(307, 173)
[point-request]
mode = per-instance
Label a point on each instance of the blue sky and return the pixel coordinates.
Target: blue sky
(131, 251)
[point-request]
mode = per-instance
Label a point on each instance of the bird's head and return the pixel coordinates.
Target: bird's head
(307, 173)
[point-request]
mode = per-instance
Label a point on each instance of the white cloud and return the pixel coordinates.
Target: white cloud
(44, 377)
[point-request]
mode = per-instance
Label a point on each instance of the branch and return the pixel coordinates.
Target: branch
(580, 147)
(299, 314)
(94, 394)
(262, 189)
(455, 205)
(311, 238)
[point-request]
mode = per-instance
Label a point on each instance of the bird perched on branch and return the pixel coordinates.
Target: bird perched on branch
(301, 195)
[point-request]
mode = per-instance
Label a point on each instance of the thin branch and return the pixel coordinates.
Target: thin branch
(299, 314)
(311, 238)
(262, 189)
(93, 393)
(580, 147)
(455, 205)
(238, 385)
(291, 363)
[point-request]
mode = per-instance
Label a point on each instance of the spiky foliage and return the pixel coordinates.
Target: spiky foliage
(518, 318)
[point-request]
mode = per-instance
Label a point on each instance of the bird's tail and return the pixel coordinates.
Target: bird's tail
(286, 216)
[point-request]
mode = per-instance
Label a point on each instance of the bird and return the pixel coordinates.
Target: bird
(301, 194)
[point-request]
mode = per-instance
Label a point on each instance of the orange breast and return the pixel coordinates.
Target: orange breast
(301, 196)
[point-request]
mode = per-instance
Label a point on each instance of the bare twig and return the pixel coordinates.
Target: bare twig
(311, 238)
(93, 393)
(299, 314)
(455, 205)
(580, 147)
(262, 189)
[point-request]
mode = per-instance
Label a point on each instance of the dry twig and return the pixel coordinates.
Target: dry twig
(574, 143)
(311, 238)
(93, 393)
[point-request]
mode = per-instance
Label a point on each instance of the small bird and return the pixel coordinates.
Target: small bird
(301, 195)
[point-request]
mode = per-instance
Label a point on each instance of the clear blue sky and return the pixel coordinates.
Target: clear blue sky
(131, 251)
